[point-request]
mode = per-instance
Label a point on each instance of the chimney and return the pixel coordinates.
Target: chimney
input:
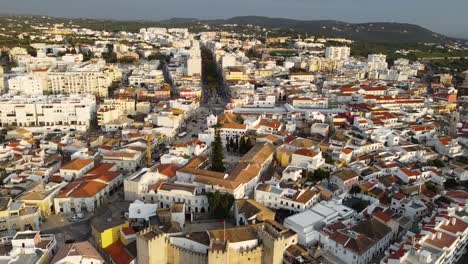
(454, 221)
(439, 235)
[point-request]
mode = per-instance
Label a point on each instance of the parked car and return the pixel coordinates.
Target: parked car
(74, 218)
(80, 215)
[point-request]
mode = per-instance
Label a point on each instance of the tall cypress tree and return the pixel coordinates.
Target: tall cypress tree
(242, 146)
(217, 153)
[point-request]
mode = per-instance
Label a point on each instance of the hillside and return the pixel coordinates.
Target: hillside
(378, 32)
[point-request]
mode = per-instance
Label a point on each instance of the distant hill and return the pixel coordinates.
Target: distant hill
(378, 32)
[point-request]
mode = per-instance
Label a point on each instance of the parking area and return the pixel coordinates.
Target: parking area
(67, 230)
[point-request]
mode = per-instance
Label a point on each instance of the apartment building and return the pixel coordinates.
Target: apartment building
(337, 53)
(74, 111)
(27, 85)
(82, 82)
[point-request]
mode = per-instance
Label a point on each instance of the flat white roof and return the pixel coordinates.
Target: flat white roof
(305, 219)
(323, 210)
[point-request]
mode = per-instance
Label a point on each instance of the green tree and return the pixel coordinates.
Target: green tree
(217, 153)
(319, 175)
(248, 144)
(220, 204)
(31, 51)
(239, 119)
(431, 186)
(355, 189)
(437, 163)
(242, 146)
(450, 183)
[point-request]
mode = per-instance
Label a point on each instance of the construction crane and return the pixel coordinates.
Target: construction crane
(149, 145)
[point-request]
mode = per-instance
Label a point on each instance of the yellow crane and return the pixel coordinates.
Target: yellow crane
(149, 144)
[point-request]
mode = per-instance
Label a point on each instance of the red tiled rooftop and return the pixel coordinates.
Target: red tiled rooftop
(118, 253)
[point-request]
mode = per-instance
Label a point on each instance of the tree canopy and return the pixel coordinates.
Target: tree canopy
(220, 204)
(217, 153)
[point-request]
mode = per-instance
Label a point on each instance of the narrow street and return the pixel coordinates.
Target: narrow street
(214, 95)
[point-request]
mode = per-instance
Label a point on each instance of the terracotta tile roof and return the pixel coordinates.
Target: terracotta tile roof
(346, 151)
(399, 196)
(304, 196)
(346, 174)
(445, 140)
(306, 152)
(119, 254)
(56, 179)
(244, 172)
(440, 240)
(234, 126)
(84, 249)
(251, 208)
(398, 254)
(458, 194)
(232, 185)
(409, 173)
(168, 170)
(259, 153)
(382, 216)
(454, 226)
(128, 231)
(77, 164)
(271, 124)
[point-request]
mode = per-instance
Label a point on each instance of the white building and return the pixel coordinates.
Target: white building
(337, 53)
(125, 160)
(30, 247)
(27, 85)
(288, 199)
(76, 169)
(359, 244)
(307, 159)
(377, 62)
(72, 112)
(306, 224)
(90, 77)
(89, 192)
(167, 194)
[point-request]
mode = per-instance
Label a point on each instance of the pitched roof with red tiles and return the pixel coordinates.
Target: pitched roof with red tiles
(382, 216)
(168, 170)
(77, 164)
(445, 140)
(118, 253)
(346, 151)
(454, 225)
(440, 240)
(399, 196)
(128, 231)
(410, 173)
(306, 152)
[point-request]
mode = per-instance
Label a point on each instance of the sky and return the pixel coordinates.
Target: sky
(448, 17)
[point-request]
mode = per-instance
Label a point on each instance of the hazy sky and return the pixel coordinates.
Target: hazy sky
(444, 16)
